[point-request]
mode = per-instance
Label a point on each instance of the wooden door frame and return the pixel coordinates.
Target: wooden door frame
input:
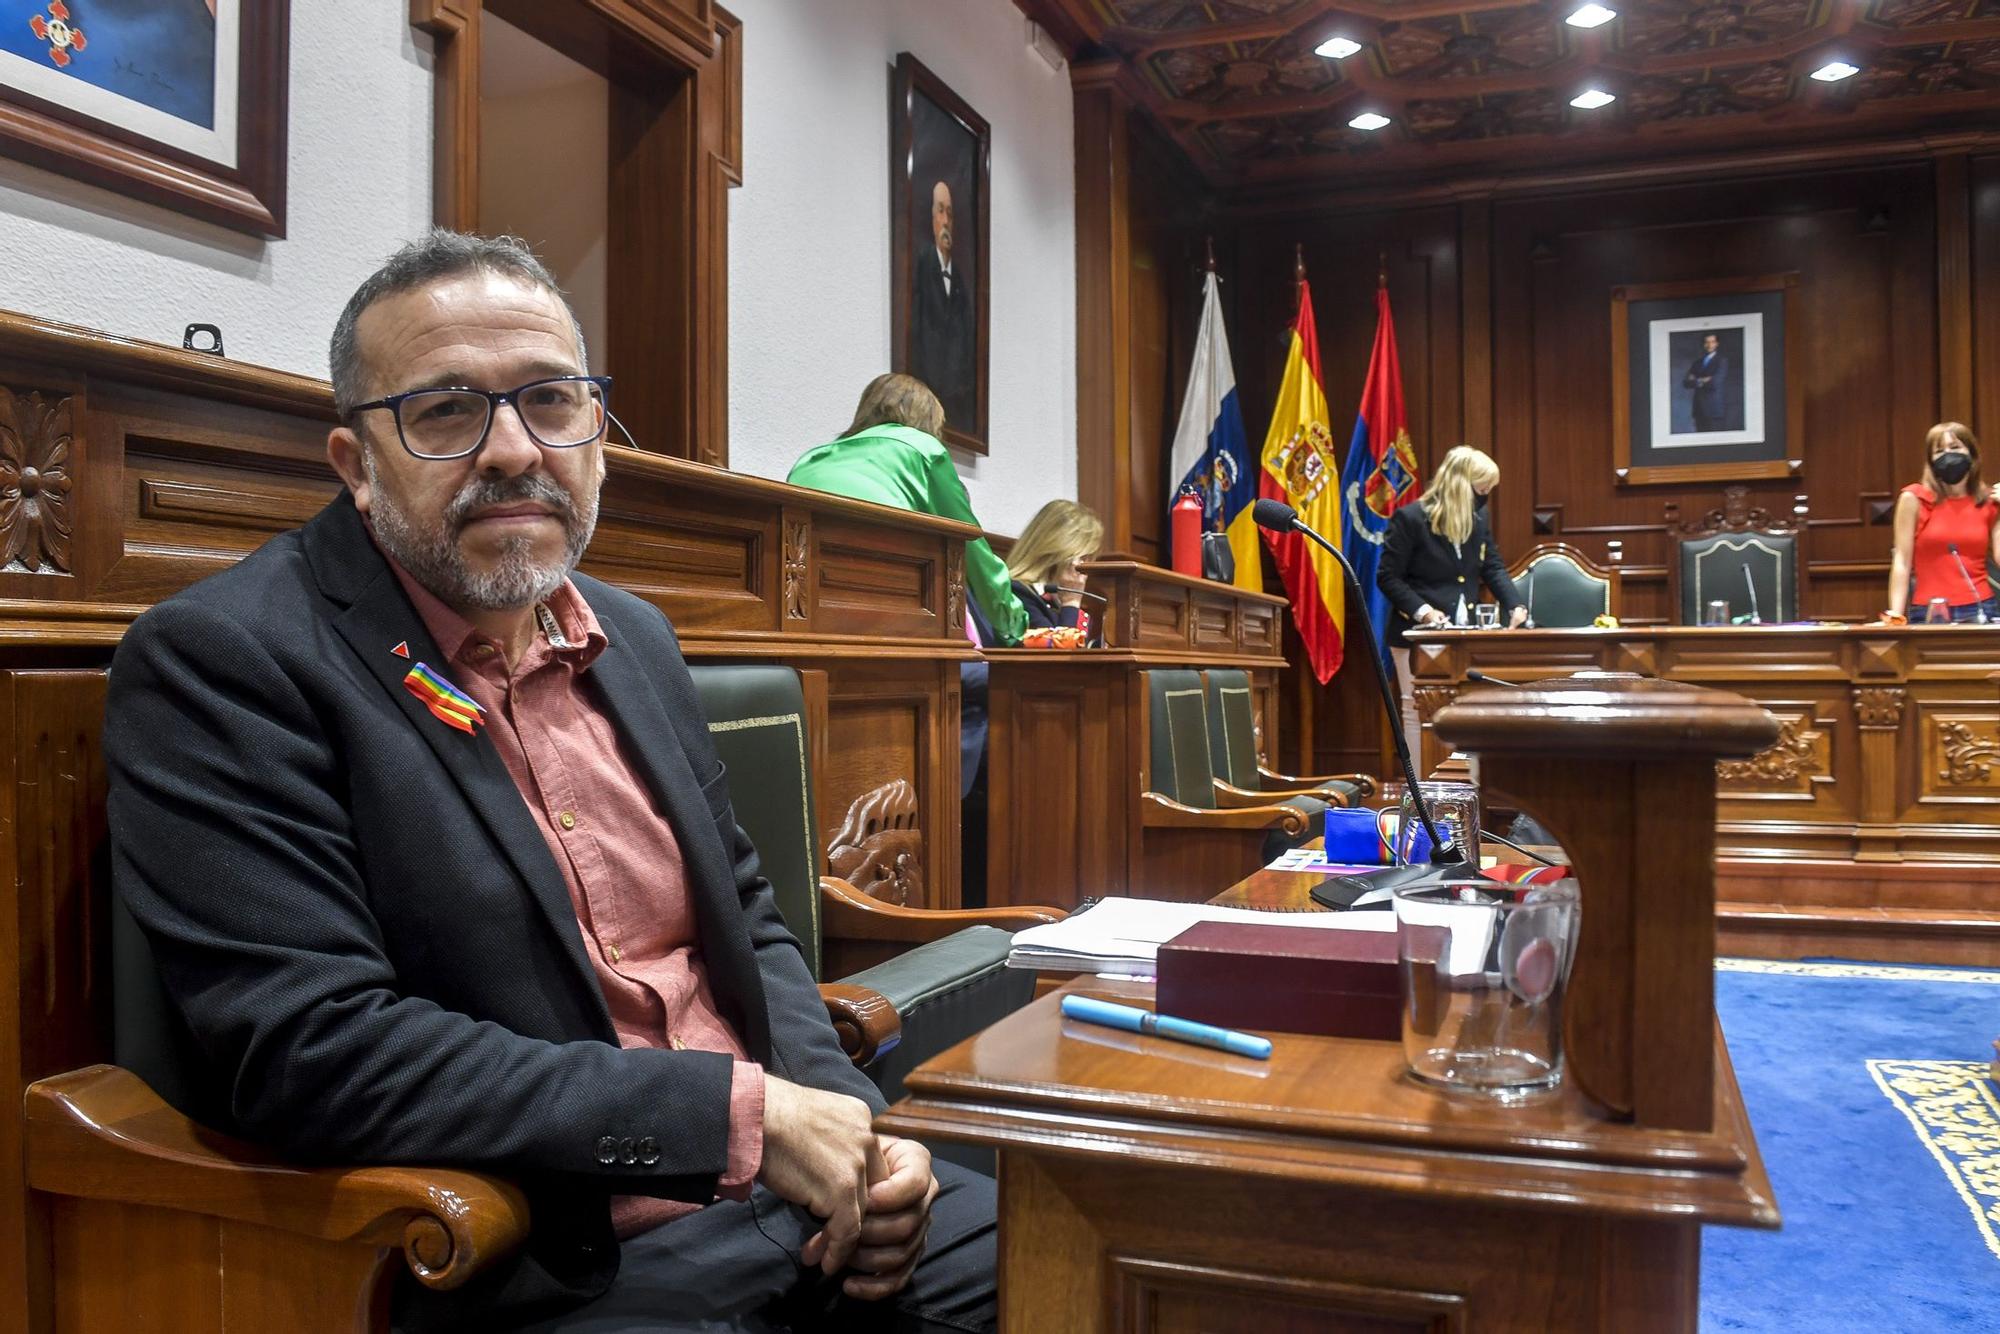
(676, 148)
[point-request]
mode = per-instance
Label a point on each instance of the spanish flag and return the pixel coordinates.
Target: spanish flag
(1301, 470)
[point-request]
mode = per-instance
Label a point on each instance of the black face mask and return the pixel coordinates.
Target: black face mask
(1479, 504)
(1951, 468)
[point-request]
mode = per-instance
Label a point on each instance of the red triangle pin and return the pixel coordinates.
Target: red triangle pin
(402, 649)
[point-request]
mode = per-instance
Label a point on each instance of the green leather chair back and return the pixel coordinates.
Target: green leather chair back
(757, 719)
(1179, 741)
(1560, 593)
(1712, 570)
(1232, 728)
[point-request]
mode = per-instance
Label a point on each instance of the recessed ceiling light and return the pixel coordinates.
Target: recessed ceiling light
(1590, 99)
(1337, 48)
(1591, 16)
(1833, 71)
(1369, 120)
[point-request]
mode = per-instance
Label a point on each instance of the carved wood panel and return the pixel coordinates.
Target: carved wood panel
(879, 846)
(1796, 765)
(890, 722)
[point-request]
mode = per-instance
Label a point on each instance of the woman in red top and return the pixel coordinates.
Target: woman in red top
(1945, 531)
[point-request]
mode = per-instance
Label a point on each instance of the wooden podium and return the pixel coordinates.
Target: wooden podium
(1149, 1185)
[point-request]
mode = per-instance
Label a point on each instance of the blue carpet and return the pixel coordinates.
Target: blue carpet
(1866, 1086)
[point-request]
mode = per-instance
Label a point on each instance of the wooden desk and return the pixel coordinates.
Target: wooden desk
(1869, 828)
(1148, 1185)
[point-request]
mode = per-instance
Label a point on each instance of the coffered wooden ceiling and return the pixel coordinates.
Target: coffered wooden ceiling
(1473, 84)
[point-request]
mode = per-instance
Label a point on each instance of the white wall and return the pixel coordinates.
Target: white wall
(359, 184)
(809, 234)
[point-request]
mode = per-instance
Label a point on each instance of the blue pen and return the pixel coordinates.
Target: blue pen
(1134, 1020)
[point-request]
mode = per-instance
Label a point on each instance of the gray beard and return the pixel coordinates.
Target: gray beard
(516, 580)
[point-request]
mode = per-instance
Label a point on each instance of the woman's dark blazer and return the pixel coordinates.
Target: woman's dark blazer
(1043, 613)
(1420, 566)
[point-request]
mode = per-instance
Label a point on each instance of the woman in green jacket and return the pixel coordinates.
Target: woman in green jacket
(891, 455)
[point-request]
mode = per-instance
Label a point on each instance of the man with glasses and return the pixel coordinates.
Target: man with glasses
(439, 866)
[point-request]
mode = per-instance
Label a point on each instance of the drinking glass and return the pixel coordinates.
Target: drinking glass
(1715, 613)
(1938, 612)
(1454, 810)
(1484, 969)
(1488, 614)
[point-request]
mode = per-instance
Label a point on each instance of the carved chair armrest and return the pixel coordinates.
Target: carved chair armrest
(867, 1023)
(1163, 812)
(1365, 785)
(1229, 796)
(100, 1133)
(847, 912)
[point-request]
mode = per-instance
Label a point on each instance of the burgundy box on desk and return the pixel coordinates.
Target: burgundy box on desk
(1285, 979)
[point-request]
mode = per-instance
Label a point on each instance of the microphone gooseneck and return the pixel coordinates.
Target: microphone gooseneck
(1751, 584)
(1474, 674)
(1978, 602)
(1282, 518)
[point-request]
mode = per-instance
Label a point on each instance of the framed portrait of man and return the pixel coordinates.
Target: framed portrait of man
(1700, 383)
(178, 102)
(941, 151)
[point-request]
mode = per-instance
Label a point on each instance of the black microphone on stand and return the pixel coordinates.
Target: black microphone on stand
(1482, 678)
(1447, 861)
(1977, 601)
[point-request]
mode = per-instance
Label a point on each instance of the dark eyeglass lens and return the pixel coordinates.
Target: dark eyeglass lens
(443, 421)
(562, 412)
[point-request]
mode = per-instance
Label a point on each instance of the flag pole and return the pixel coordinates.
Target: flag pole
(1382, 270)
(1298, 272)
(1209, 243)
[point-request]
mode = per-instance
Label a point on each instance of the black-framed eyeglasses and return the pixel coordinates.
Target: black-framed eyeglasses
(561, 412)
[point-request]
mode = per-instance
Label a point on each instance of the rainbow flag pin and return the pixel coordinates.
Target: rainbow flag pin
(444, 699)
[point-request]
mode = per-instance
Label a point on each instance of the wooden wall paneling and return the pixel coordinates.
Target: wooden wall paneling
(1475, 238)
(54, 964)
(1954, 287)
(1984, 329)
(1103, 301)
(1862, 243)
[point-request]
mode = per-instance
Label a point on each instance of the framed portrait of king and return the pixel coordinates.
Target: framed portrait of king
(178, 102)
(1702, 389)
(940, 223)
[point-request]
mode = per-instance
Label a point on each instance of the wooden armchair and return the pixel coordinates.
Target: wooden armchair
(1192, 839)
(1240, 776)
(139, 1217)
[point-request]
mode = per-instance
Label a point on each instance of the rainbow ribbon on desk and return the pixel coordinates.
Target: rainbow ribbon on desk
(442, 698)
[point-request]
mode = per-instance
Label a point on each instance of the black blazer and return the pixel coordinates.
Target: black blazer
(355, 914)
(943, 335)
(1042, 613)
(1419, 566)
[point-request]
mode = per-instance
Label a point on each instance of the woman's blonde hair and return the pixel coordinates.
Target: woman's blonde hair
(1962, 433)
(1060, 532)
(897, 400)
(1447, 501)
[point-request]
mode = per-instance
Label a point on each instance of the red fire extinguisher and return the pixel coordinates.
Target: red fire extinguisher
(1185, 520)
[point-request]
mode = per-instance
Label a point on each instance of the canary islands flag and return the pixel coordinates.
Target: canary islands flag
(1381, 472)
(1211, 452)
(1301, 470)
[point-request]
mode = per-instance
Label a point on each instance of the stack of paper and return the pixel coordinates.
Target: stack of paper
(1124, 936)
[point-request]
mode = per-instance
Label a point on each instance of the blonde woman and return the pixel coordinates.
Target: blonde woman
(1044, 562)
(1436, 555)
(1946, 526)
